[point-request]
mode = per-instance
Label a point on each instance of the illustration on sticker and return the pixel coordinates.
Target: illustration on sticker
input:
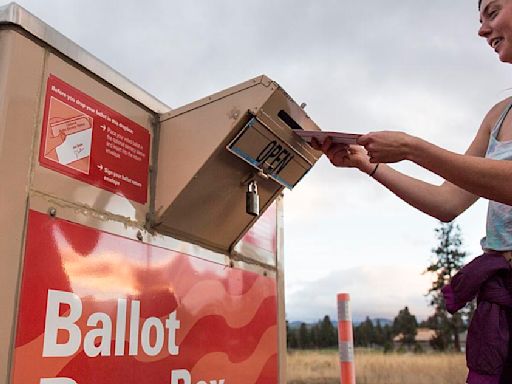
(68, 136)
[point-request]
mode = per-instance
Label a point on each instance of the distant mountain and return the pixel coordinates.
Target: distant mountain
(294, 324)
(383, 322)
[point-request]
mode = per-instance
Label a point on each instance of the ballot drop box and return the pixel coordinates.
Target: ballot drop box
(139, 243)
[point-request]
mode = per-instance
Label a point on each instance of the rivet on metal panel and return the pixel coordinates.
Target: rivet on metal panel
(52, 212)
(265, 273)
(263, 175)
(234, 114)
(139, 235)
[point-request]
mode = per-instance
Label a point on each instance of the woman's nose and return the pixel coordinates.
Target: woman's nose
(484, 29)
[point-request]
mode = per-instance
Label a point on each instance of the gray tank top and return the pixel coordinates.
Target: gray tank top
(498, 234)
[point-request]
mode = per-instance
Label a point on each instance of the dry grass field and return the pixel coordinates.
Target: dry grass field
(321, 367)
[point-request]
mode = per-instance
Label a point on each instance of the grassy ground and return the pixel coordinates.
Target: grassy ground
(321, 367)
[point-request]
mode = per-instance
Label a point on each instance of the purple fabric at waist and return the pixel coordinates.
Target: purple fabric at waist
(489, 278)
(476, 378)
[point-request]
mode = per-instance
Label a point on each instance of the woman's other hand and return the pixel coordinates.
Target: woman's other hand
(343, 155)
(387, 146)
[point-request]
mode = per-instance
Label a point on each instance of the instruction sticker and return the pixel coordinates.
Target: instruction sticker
(88, 141)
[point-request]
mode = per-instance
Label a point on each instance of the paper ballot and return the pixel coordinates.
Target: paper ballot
(75, 147)
(337, 137)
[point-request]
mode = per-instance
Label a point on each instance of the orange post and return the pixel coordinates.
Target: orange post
(346, 340)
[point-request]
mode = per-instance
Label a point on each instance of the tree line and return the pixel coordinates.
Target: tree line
(307, 336)
(369, 333)
(447, 259)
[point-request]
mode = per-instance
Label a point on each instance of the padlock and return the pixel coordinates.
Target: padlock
(252, 199)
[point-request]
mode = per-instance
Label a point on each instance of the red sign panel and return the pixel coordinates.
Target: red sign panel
(263, 234)
(88, 141)
(98, 308)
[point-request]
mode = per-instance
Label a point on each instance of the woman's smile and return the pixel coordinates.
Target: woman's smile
(495, 42)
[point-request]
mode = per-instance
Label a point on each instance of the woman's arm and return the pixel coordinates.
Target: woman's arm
(471, 172)
(487, 178)
(446, 201)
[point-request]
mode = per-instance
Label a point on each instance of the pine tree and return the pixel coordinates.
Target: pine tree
(448, 259)
(368, 331)
(388, 338)
(380, 338)
(291, 337)
(303, 340)
(406, 324)
(326, 333)
(314, 331)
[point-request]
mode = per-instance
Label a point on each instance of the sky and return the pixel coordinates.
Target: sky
(360, 66)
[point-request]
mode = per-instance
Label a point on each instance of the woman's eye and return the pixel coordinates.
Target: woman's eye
(493, 14)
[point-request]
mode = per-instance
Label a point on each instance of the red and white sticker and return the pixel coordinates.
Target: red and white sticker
(89, 141)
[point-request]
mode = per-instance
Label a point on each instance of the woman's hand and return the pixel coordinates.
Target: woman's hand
(387, 146)
(343, 155)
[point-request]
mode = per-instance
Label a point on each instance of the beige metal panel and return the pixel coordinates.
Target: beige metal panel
(281, 321)
(280, 102)
(260, 80)
(21, 65)
(215, 217)
(66, 188)
(187, 143)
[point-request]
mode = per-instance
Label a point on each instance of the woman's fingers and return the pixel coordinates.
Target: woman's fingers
(338, 154)
(326, 145)
(336, 149)
(316, 144)
(385, 146)
(364, 140)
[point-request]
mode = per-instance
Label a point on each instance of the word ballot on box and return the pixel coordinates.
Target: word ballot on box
(163, 315)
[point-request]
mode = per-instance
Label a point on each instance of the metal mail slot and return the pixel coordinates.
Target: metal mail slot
(260, 147)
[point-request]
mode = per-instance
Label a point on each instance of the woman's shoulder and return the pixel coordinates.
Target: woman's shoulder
(495, 112)
(498, 108)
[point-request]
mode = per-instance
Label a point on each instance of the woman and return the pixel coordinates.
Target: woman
(483, 171)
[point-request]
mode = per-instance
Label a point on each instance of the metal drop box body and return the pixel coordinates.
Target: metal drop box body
(127, 250)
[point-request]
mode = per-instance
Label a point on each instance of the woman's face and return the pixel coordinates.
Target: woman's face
(496, 27)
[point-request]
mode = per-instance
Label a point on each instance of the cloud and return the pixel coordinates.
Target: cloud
(378, 291)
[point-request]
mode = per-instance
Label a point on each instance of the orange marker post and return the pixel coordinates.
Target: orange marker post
(346, 340)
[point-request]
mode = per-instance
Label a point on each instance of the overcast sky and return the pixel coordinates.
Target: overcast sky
(416, 66)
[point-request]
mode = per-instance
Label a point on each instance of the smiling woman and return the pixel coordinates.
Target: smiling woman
(495, 27)
(485, 170)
